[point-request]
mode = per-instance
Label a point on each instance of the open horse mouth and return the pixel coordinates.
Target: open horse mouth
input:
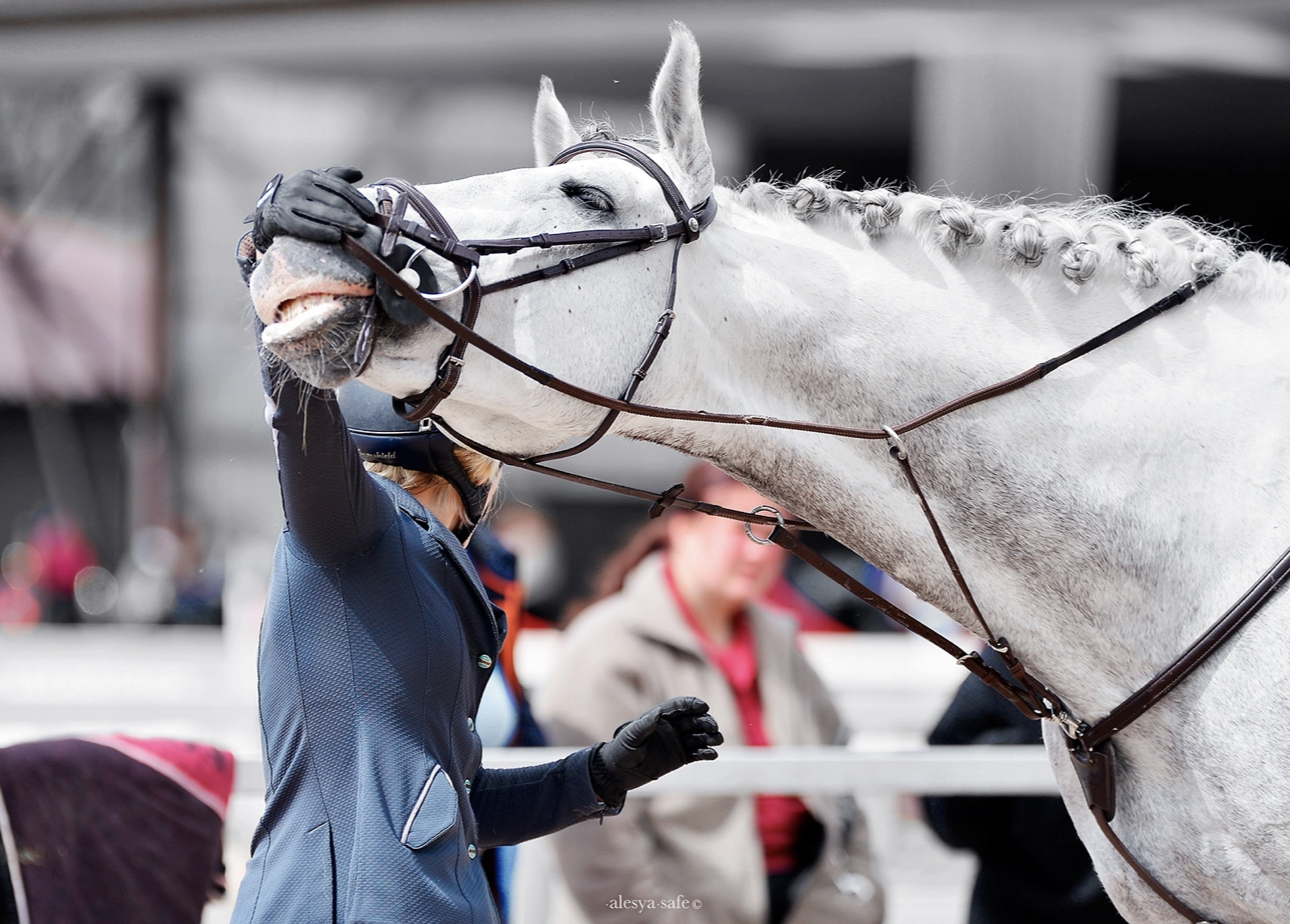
(312, 299)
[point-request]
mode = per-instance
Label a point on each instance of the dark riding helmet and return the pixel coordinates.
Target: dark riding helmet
(381, 435)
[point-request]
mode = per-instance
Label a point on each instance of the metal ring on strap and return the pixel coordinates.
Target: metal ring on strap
(764, 508)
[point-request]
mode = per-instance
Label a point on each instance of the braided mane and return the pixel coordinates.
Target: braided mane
(1089, 237)
(1083, 238)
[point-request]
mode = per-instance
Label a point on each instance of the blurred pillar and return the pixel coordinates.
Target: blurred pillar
(1023, 114)
(147, 436)
(75, 481)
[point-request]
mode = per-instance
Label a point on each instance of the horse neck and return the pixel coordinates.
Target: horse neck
(1070, 532)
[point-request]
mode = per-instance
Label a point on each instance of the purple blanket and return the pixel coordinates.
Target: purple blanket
(104, 838)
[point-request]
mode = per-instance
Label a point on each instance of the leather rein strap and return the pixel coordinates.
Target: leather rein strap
(1159, 686)
(1090, 746)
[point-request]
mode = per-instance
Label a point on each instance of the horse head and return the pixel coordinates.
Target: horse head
(588, 328)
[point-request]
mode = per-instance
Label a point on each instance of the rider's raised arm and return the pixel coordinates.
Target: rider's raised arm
(334, 512)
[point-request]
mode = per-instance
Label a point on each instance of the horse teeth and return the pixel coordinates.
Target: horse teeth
(293, 308)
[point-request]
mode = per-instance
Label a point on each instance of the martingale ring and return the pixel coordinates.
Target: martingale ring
(762, 508)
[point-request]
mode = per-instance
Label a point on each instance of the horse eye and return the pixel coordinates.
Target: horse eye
(590, 196)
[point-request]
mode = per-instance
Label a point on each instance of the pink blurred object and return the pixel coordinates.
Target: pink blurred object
(204, 772)
(19, 608)
(77, 308)
(63, 551)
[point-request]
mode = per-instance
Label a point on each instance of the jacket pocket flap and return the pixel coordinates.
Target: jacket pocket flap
(434, 813)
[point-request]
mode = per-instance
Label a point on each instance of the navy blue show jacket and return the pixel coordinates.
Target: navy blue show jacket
(377, 641)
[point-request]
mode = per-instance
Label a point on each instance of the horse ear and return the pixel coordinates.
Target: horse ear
(674, 106)
(552, 129)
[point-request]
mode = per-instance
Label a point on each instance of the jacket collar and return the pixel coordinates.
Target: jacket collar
(412, 508)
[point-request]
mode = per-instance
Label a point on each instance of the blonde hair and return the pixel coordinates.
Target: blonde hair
(443, 496)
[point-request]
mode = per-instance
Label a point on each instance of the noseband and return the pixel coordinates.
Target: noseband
(1090, 745)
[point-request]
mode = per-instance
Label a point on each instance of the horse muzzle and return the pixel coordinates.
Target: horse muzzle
(296, 276)
(313, 299)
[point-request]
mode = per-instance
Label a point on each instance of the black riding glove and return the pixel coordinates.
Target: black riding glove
(319, 205)
(669, 736)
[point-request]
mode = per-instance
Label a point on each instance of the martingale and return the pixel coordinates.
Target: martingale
(1090, 746)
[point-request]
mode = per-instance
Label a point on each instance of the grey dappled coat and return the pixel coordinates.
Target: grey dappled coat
(376, 645)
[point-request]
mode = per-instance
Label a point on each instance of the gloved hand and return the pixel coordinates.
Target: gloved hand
(318, 205)
(670, 735)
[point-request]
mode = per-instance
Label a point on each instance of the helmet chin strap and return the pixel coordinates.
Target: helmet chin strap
(474, 497)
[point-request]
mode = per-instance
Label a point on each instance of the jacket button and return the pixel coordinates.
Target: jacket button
(471, 851)
(485, 661)
(470, 723)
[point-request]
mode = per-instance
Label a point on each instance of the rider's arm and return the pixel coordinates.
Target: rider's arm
(521, 803)
(334, 512)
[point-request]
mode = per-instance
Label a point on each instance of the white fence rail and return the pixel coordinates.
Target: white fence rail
(985, 770)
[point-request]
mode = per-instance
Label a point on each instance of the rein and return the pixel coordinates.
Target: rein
(1090, 745)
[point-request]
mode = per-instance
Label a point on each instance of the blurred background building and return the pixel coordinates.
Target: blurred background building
(137, 482)
(136, 134)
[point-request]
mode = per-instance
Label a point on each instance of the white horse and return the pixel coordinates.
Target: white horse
(1104, 516)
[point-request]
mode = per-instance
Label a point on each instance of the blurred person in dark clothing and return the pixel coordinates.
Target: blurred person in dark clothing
(1033, 867)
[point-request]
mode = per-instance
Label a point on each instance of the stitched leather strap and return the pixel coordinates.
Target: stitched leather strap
(542, 377)
(1158, 687)
(1040, 702)
(1145, 874)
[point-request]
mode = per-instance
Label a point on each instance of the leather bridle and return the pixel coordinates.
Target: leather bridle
(437, 235)
(1090, 745)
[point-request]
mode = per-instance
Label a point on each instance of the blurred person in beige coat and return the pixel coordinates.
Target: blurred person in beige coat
(676, 617)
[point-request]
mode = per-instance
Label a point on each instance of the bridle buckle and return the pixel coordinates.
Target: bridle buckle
(657, 235)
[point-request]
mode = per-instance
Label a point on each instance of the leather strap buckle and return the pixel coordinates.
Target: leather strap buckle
(657, 235)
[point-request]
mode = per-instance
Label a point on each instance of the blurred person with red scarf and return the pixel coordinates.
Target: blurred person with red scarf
(677, 612)
(63, 552)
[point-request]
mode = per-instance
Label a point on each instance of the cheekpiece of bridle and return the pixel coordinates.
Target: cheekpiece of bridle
(1089, 744)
